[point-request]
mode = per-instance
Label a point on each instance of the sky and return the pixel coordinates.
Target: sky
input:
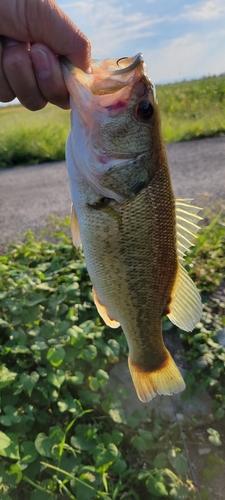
(180, 39)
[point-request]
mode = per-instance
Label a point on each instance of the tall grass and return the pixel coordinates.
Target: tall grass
(189, 110)
(27, 138)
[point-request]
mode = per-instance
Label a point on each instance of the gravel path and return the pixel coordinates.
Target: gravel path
(28, 195)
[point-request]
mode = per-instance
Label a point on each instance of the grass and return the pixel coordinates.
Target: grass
(192, 110)
(189, 110)
(28, 138)
(63, 434)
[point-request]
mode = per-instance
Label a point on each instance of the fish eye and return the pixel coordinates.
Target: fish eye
(145, 110)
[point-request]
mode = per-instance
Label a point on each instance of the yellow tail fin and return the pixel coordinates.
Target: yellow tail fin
(165, 380)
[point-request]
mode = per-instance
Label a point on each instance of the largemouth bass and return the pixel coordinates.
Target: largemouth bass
(134, 233)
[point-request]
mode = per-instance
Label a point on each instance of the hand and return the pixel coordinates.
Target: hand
(33, 34)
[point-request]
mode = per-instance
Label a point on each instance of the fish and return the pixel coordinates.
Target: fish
(133, 231)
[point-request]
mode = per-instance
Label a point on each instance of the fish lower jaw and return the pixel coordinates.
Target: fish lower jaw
(166, 380)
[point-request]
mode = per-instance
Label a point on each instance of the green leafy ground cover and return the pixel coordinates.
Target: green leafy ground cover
(63, 434)
(189, 110)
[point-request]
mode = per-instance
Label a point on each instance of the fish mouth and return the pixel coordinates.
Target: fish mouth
(125, 64)
(132, 63)
(107, 76)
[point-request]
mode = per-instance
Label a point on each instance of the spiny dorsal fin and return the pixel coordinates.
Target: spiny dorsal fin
(185, 306)
(186, 220)
(75, 228)
(103, 312)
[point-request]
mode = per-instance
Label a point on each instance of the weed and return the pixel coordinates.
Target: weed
(63, 434)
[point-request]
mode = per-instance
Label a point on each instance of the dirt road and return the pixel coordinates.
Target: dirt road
(28, 195)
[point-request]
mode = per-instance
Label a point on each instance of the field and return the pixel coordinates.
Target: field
(28, 138)
(189, 110)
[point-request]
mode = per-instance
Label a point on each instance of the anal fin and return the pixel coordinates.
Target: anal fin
(75, 228)
(185, 306)
(165, 380)
(103, 312)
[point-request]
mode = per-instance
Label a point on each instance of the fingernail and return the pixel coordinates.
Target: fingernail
(41, 63)
(9, 42)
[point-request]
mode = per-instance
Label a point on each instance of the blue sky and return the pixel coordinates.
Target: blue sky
(180, 39)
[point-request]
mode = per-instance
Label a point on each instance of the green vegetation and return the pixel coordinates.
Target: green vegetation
(189, 110)
(63, 433)
(27, 138)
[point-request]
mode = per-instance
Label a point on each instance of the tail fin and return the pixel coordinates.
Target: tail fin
(165, 380)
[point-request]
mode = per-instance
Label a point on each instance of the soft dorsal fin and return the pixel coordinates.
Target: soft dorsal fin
(75, 228)
(186, 220)
(185, 306)
(103, 312)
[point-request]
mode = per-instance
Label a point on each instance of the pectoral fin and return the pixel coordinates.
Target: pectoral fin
(185, 306)
(75, 228)
(103, 312)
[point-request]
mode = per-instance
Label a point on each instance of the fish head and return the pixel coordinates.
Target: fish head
(115, 140)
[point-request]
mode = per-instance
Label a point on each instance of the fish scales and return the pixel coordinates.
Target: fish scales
(147, 255)
(125, 214)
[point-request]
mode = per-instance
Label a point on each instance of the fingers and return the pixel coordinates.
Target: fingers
(6, 93)
(58, 32)
(49, 76)
(19, 74)
(33, 75)
(44, 22)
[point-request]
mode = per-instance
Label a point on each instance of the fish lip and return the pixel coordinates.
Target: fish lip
(137, 59)
(104, 78)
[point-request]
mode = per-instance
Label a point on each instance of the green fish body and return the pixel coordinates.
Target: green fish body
(134, 233)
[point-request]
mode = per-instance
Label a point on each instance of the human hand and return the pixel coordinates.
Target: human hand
(33, 34)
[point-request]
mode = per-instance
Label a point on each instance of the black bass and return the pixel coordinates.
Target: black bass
(134, 233)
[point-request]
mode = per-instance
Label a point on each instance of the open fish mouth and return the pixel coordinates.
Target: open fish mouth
(121, 66)
(107, 76)
(124, 64)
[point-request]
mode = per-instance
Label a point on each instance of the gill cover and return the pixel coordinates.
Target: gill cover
(97, 98)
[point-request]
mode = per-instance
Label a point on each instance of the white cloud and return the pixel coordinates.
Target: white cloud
(206, 10)
(190, 56)
(78, 7)
(111, 24)
(175, 60)
(118, 28)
